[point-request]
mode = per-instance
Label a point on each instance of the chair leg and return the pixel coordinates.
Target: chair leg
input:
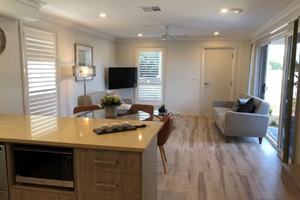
(163, 150)
(227, 139)
(260, 140)
(162, 158)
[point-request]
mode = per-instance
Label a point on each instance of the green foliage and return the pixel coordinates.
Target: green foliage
(163, 105)
(275, 65)
(270, 111)
(273, 123)
(110, 101)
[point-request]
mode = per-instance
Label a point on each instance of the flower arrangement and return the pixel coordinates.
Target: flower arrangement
(110, 101)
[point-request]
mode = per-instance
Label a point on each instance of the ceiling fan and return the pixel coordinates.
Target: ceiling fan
(166, 36)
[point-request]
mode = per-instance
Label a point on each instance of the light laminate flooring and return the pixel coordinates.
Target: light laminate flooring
(201, 165)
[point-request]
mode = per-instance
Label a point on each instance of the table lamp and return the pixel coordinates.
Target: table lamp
(84, 71)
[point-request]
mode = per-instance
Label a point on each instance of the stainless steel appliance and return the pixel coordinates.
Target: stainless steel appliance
(3, 174)
(43, 165)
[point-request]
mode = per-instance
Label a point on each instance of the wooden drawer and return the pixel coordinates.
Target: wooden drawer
(20, 194)
(91, 196)
(109, 161)
(109, 183)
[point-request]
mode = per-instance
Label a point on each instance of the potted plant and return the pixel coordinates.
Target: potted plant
(110, 103)
(162, 108)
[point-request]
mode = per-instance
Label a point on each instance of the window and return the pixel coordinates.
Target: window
(150, 75)
(40, 79)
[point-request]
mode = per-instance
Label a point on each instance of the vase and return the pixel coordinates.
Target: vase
(111, 111)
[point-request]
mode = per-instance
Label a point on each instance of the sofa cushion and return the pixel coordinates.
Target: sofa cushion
(261, 106)
(124, 106)
(248, 107)
(220, 120)
(217, 110)
(239, 102)
(116, 94)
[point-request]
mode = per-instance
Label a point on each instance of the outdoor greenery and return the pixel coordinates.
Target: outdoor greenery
(273, 123)
(275, 65)
(271, 111)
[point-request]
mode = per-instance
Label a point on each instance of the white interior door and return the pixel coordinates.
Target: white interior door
(218, 64)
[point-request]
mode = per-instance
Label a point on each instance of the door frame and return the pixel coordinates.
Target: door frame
(202, 74)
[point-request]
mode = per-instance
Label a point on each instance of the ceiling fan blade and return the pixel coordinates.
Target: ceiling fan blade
(166, 36)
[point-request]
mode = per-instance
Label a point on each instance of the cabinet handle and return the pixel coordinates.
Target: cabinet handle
(106, 162)
(106, 185)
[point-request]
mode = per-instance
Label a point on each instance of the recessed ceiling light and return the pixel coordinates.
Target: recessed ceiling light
(237, 10)
(102, 15)
(216, 33)
(224, 10)
(140, 35)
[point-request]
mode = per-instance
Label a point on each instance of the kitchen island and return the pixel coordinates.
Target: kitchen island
(115, 166)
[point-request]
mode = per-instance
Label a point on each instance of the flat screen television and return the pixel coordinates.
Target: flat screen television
(122, 77)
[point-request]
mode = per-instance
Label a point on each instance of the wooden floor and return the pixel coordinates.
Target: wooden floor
(201, 165)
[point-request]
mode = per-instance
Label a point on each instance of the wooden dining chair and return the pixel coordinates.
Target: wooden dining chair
(144, 107)
(163, 136)
(78, 109)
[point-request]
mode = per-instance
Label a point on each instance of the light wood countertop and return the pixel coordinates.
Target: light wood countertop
(74, 132)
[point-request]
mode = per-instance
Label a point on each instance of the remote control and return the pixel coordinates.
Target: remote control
(140, 126)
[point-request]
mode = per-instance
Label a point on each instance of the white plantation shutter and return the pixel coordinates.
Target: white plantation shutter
(40, 72)
(150, 88)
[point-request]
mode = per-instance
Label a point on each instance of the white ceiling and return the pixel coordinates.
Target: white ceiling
(197, 18)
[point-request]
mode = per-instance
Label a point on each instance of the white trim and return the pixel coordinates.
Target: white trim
(196, 38)
(58, 20)
(292, 7)
(33, 3)
(202, 74)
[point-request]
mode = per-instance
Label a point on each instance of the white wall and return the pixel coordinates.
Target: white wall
(184, 61)
(10, 78)
(11, 98)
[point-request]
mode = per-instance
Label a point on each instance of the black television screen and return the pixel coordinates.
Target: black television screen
(122, 77)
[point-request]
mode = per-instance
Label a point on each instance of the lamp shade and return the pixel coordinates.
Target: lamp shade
(84, 71)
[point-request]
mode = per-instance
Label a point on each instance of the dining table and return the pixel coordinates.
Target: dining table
(121, 114)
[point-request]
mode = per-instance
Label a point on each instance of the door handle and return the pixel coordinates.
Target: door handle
(206, 83)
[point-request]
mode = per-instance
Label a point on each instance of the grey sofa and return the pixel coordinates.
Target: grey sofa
(240, 124)
(95, 97)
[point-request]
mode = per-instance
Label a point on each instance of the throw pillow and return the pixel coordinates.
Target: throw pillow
(248, 107)
(116, 94)
(239, 102)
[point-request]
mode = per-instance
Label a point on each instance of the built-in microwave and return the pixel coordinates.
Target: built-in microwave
(43, 165)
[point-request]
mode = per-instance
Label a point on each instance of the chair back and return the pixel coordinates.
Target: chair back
(78, 109)
(144, 107)
(166, 130)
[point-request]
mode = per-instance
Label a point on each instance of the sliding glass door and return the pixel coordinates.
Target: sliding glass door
(273, 85)
(271, 76)
(270, 68)
(294, 100)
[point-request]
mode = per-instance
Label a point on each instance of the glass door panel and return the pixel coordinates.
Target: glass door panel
(294, 99)
(273, 85)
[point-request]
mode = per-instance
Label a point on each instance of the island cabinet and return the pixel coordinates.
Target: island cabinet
(99, 175)
(116, 175)
(118, 166)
